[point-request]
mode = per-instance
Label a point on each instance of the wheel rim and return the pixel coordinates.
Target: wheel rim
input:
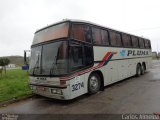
(93, 83)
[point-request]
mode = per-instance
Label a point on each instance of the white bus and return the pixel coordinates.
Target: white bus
(72, 58)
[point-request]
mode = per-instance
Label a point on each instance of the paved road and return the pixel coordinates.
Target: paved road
(133, 95)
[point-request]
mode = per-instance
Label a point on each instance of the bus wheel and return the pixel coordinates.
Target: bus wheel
(94, 83)
(142, 69)
(138, 70)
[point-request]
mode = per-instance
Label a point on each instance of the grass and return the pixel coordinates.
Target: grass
(14, 85)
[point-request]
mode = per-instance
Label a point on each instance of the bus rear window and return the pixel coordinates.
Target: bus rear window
(52, 33)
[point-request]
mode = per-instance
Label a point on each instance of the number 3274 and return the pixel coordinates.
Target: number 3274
(77, 86)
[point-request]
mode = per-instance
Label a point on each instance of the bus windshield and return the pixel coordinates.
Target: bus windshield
(49, 59)
(51, 33)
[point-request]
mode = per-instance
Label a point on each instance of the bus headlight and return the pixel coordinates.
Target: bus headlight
(59, 91)
(53, 91)
(56, 91)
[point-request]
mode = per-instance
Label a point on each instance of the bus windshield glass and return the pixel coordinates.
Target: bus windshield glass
(49, 59)
(51, 33)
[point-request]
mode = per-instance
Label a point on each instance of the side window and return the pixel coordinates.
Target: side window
(88, 55)
(126, 40)
(115, 38)
(87, 33)
(100, 37)
(62, 51)
(135, 42)
(147, 44)
(81, 32)
(80, 56)
(76, 60)
(141, 43)
(78, 32)
(105, 40)
(96, 34)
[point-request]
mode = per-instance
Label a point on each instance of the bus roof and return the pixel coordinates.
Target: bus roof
(86, 22)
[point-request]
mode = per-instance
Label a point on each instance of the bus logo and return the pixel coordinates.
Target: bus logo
(122, 53)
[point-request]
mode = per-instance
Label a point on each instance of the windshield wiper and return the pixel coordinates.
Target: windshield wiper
(36, 65)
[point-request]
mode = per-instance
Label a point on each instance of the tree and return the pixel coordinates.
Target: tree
(1, 62)
(4, 62)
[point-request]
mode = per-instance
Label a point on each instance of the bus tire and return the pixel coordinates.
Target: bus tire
(94, 83)
(144, 65)
(142, 70)
(138, 70)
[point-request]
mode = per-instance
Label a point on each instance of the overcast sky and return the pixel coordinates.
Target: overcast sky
(19, 19)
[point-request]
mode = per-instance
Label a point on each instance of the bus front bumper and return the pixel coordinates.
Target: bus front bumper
(57, 92)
